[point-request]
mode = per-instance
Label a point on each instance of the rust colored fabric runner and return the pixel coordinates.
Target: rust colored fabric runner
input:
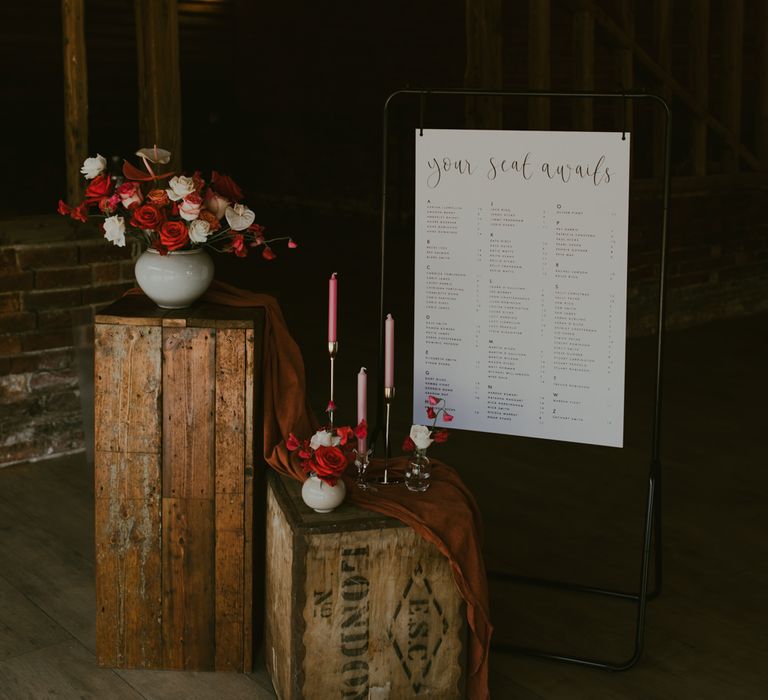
(447, 517)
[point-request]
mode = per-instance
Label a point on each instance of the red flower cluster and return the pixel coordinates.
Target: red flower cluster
(328, 453)
(168, 212)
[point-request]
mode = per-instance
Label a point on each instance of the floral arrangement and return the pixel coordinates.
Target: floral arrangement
(422, 436)
(184, 213)
(328, 452)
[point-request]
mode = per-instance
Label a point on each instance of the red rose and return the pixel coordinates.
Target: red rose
(174, 235)
(226, 187)
(147, 217)
(99, 188)
(440, 435)
(330, 462)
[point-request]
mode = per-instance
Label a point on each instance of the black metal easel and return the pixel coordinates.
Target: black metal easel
(652, 519)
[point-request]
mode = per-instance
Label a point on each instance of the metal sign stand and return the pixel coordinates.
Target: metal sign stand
(652, 517)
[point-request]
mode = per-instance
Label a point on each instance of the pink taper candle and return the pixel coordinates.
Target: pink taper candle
(332, 299)
(362, 406)
(389, 352)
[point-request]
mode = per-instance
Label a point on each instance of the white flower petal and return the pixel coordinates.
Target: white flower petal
(239, 217)
(92, 167)
(155, 155)
(199, 231)
(114, 230)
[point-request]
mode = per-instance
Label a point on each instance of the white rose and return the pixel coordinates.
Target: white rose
(199, 230)
(92, 167)
(179, 187)
(322, 438)
(420, 436)
(239, 217)
(114, 230)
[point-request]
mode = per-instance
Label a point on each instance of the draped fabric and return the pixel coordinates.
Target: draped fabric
(447, 515)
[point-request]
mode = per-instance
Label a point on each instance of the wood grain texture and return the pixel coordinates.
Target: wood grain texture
(539, 36)
(127, 388)
(157, 46)
(188, 412)
(230, 410)
(371, 610)
(279, 610)
(229, 595)
(249, 589)
(128, 568)
(75, 95)
(188, 584)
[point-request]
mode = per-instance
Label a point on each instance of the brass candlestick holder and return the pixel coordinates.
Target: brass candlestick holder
(333, 348)
(386, 479)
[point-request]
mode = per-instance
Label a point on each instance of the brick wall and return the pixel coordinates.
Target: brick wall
(48, 293)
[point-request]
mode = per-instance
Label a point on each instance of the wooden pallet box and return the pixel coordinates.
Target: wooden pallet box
(357, 606)
(174, 480)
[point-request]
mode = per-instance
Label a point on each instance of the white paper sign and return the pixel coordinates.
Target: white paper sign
(521, 278)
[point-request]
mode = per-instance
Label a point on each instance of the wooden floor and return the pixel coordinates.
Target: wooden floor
(551, 510)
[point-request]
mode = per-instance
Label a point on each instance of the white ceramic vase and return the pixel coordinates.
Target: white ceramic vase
(175, 280)
(320, 496)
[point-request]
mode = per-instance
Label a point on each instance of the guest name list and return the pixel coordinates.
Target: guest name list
(521, 277)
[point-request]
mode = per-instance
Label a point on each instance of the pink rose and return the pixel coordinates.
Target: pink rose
(130, 194)
(190, 206)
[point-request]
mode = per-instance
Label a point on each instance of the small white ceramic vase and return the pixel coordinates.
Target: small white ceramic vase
(175, 280)
(320, 496)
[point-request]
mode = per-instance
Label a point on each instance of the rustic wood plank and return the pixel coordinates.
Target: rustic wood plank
(128, 584)
(699, 82)
(663, 75)
(188, 412)
(127, 388)
(230, 517)
(23, 626)
(229, 582)
(662, 18)
(733, 58)
(133, 475)
(44, 566)
(230, 410)
(279, 609)
(75, 96)
(484, 69)
(250, 590)
(192, 685)
(539, 33)
(157, 46)
(625, 67)
(188, 584)
(64, 670)
(761, 126)
(583, 64)
(378, 605)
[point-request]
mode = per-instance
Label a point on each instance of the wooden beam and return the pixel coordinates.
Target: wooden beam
(664, 75)
(699, 82)
(157, 44)
(761, 128)
(484, 62)
(733, 51)
(662, 12)
(583, 64)
(625, 65)
(539, 31)
(75, 96)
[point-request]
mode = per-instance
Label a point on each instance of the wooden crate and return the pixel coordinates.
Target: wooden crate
(174, 433)
(357, 606)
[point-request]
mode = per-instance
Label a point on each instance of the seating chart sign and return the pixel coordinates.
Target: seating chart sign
(520, 281)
